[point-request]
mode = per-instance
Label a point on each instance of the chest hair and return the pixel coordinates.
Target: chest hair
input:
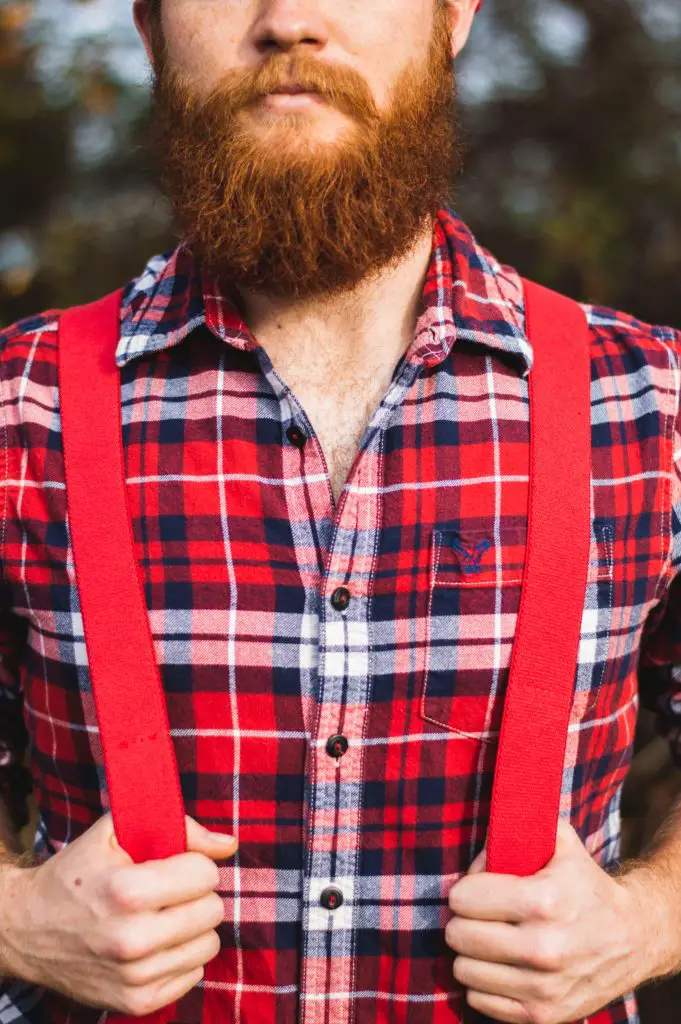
(340, 414)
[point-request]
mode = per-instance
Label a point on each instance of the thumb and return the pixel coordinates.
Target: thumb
(568, 843)
(215, 845)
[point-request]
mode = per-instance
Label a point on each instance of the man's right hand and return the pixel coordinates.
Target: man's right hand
(109, 933)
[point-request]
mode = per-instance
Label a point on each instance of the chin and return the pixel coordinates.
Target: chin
(302, 127)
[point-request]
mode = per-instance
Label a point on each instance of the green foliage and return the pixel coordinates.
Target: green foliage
(577, 178)
(79, 212)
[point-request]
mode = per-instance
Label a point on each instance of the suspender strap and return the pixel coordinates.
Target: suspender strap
(141, 770)
(528, 773)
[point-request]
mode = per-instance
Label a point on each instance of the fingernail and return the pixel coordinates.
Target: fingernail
(220, 837)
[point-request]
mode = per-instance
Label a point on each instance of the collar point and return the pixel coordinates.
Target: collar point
(432, 359)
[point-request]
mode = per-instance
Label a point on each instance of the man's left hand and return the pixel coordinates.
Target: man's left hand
(550, 948)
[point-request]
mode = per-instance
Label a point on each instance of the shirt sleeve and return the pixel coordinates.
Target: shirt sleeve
(15, 779)
(659, 675)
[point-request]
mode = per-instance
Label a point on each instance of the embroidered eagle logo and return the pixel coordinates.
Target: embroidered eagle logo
(471, 557)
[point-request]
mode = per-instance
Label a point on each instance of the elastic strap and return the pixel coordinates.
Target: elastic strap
(529, 769)
(139, 758)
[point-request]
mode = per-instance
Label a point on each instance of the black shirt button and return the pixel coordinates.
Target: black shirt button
(296, 437)
(336, 746)
(340, 598)
(331, 898)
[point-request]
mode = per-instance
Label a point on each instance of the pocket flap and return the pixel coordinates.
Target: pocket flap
(471, 557)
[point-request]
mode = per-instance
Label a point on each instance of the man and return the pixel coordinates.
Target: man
(325, 422)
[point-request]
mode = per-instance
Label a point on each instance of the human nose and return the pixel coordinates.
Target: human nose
(287, 24)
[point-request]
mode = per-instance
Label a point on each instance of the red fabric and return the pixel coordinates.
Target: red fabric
(131, 710)
(527, 779)
(525, 805)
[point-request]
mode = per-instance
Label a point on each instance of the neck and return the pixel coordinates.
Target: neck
(370, 327)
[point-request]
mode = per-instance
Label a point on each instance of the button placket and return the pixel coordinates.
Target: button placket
(336, 759)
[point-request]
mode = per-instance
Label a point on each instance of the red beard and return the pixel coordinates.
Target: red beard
(265, 210)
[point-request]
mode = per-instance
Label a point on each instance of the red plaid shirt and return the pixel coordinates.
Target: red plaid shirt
(280, 622)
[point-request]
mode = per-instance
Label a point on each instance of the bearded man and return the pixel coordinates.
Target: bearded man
(324, 395)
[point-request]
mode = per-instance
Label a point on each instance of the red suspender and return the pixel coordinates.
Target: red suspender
(141, 770)
(528, 773)
(142, 776)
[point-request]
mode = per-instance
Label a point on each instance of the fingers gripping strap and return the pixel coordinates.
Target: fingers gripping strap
(528, 774)
(141, 770)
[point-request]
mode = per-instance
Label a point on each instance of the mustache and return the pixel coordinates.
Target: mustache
(343, 87)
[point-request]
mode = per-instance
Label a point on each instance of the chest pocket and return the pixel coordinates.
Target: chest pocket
(475, 584)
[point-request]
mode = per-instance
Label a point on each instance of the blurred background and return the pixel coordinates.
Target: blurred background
(572, 118)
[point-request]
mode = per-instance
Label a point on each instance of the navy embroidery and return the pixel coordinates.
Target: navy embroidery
(471, 557)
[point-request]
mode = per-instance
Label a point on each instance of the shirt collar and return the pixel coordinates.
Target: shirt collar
(467, 295)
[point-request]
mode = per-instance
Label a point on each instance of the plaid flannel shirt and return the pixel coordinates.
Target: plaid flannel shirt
(335, 676)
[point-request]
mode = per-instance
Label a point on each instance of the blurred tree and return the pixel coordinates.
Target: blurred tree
(79, 212)
(574, 165)
(34, 157)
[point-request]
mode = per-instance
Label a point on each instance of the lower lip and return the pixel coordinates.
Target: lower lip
(292, 101)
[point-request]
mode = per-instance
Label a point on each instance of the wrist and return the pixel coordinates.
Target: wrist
(14, 888)
(654, 928)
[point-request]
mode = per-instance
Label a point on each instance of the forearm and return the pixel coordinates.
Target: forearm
(12, 863)
(655, 877)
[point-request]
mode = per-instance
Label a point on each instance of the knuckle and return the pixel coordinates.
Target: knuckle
(138, 1002)
(124, 945)
(202, 867)
(540, 991)
(133, 975)
(548, 952)
(98, 941)
(554, 992)
(540, 902)
(547, 903)
(121, 893)
(540, 1013)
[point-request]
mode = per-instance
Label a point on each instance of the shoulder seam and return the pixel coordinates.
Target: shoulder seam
(14, 331)
(661, 338)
